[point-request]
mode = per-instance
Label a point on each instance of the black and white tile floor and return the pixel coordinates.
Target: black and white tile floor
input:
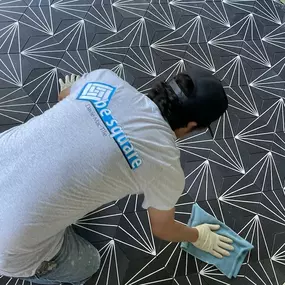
(239, 176)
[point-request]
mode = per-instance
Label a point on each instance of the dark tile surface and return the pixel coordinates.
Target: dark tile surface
(238, 175)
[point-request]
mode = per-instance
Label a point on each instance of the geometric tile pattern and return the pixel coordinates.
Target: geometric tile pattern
(238, 176)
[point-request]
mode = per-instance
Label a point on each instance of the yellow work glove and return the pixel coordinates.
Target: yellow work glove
(69, 80)
(211, 242)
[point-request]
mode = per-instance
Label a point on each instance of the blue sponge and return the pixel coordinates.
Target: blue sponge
(229, 265)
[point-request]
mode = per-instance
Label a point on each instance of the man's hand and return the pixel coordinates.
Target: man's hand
(65, 85)
(68, 82)
(165, 227)
(211, 242)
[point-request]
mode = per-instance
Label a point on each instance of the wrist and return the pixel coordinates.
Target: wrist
(194, 235)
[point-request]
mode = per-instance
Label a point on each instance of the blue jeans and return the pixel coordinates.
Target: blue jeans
(75, 263)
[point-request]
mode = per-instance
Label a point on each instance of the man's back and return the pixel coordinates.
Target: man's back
(65, 163)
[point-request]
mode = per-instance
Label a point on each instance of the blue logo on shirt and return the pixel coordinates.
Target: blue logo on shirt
(99, 94)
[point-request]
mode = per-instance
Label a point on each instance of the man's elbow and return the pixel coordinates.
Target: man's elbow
(161, 222)
(161, 231)
(157, 232)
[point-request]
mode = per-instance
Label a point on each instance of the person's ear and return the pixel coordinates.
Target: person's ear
(182, 132)
(190, 126)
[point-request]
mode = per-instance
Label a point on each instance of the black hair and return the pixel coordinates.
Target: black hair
(206, 100)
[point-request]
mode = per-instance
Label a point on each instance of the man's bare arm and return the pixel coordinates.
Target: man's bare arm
(165, 227)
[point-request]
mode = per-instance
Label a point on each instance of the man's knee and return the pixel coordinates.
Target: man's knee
(93, 261)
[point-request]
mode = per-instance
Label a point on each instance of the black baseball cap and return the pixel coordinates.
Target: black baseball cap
(207, 101)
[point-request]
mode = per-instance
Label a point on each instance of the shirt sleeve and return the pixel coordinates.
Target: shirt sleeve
(163, 192)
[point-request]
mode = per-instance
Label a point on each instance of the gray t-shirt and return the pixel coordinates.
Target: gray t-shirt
(104, 141)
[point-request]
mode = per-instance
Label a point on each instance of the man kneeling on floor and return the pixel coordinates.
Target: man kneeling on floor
(102, 141)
